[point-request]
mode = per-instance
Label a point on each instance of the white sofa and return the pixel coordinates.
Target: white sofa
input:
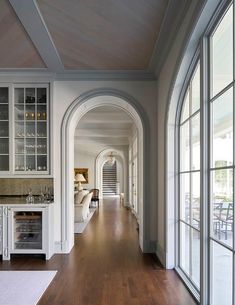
(81, 211)
(79, 196)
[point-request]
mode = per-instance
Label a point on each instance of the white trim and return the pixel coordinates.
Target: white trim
(73, 114)
(161, 254)
(45, 75)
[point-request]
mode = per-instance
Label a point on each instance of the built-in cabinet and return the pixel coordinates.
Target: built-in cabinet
(28, 230)
(24, 135)
(4, 129)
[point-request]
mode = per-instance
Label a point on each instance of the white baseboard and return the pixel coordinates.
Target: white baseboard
(161, 254)
(57, 247)
(62, 247)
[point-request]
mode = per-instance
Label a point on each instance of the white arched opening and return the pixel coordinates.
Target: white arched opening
(83, 104)
(99, 163)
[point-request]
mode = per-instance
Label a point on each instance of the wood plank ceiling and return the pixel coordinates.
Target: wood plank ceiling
(104, 34)
(92, 35)
(17, 50)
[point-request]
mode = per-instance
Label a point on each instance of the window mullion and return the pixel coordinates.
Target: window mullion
(204, 176)
(233, 297)
(190, 183)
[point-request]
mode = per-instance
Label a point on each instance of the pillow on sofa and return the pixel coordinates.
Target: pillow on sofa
(79, 196)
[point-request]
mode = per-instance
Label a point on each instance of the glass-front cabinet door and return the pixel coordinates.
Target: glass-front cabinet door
(31, 129)
(4, 129)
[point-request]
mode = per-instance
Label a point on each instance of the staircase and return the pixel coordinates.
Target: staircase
(109, 179)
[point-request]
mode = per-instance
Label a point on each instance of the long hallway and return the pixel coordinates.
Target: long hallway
(106, 267)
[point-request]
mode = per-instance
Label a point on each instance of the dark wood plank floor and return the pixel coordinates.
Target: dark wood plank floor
(106, 267)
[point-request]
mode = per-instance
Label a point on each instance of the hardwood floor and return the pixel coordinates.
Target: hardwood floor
(106, 267)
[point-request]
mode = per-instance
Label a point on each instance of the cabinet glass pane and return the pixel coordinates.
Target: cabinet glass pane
(4, 146)
(30, 146)
(19, 112)
(19, 146)
(222, 270)
(30, 95)
(222, 205)
(30, 163)
(41, 163)
(19, 95)
(222, 130)
(41, 113)
(41, 95)
(222, 53)
(30, 129)
(4, 163)
(3, 95)
(4, 112)
(19, 163)
(4, 129)
(42, 146)
(19, 130)
(30, 113)
(41, 129)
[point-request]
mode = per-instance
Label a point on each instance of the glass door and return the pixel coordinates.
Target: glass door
(31, 129)
(27, 230)
(4, 129)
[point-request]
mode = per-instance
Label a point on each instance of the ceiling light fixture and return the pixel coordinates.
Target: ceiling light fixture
(111, 159)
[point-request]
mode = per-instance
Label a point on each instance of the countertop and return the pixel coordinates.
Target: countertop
(21, 200)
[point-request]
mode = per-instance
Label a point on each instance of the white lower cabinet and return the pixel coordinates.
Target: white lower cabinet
(27, 230)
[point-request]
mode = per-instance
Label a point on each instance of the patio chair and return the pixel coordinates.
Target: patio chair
(226, 219)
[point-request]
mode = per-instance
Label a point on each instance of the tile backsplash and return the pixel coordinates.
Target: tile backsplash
(21, 186)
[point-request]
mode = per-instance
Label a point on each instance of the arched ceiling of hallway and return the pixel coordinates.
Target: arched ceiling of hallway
(103, 127)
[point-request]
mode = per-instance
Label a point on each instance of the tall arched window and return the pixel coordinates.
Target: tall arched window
(189, 181)
(206, 169)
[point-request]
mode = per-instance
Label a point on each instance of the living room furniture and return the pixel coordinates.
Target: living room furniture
(95, 197)
(78, 196)
(80, 178)
(81, 210)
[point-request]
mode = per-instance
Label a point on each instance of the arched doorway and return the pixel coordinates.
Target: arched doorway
(73, 114)
(99, 163)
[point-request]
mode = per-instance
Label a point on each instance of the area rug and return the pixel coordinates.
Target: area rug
(79, 227)
(23, 287)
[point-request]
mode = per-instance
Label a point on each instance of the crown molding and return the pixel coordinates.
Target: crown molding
(169, 28)
(77, 75)
(105, 75)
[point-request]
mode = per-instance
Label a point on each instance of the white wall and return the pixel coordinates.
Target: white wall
(64, 93)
